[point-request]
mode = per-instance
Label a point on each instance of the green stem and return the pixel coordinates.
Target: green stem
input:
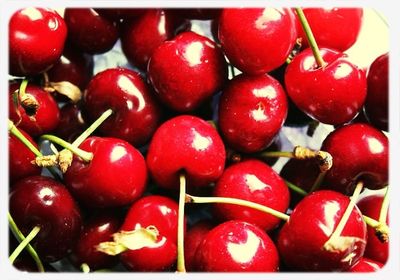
(181, 220)
(277, 154)
(318, 182)
(371, 222)
(296, 189)
(384, 208)
(85, 268)
(22, 87)
(23, 244)
(310, 38)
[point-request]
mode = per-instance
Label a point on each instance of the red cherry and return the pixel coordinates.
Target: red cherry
(332, 94)
(251, 112)
(89, 31)
(360, 153)
(254, 181)
(186, 144)
(115, 176)
(376, 104)
(36, 40)
(198, 66)
(375, 250)
(71, 123)
(237, 246)
(41, 120)
(257, 40)
(366, 265)
(44, 202)
(302, 238)
(136, 114)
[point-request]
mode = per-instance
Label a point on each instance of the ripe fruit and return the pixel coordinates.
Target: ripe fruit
(71, 123)
(366, 265)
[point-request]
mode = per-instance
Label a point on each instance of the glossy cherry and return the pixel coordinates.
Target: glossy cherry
(237, 246)
(376, 104)
(115, 176)
(36, 122)
(332, 94)
(302, 238)
(44, 202)
(360, 153)
(251, 112)
(89, 31)
(366, 265)
(36, 40)
(255, 181)
(198, 66)
(189, 145)
(257, 40)
(136, 113)
(71, 123)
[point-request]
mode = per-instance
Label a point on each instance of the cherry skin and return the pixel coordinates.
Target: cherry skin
(237, 246)
(332, 94)
(71, 123)
(189, 145)
(116, 175)
(255, 181)
(327, 26)
(120, 14)
(360, 153)
(89, 31)
(44, 202)
(36, 122)
(36, 40)
(257, 40)
(313, 220)
(198, 14)
(98, 228)
(20, 158)
(136, 113)
(366, 265)
(251, 112)
(375, 250)
(199, 68)
(376, 104)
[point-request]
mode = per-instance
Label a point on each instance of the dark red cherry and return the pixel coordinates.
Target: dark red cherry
(375, 250)
(44, 202)
(89, 31)
(255, 181)
(71, 123)
(136, 113)
(332, 94)
(237, 246)
(36, 40)
(37, 121)
(366, 265)
(20, 158)
(189, 145)
(302, 238)
(115, 176)
(327, 25)
(198, 66)
(198, 14)
(360, 153)
(257, 40)
(251, 112)
(141, 37)
(120, 14)
(376, 104)
(98, 228)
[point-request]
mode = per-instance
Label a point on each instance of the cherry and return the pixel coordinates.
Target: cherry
(360, 153)
(136, 114)
(20, 158)
(120, 14)
(46, 203)
(71, 123)
(198, 14)
(114, 175)
(375, 250)
(199, 68)
(89, 31)
(257, 40)
(36, 40)
(327, 26)
(333, 93)
(376, 104)
(237, 246)
(302, 238)
(366, 265)
(251, 112)
(189, 145)
(44, 117)
(254, 181)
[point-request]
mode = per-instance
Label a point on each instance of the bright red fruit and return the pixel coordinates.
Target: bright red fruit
(71, 123)
(366, 265)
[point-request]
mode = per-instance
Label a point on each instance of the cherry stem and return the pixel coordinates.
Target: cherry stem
(85, 268)
(318, 181)
(285, 154)
(181, 220)
(24, 243)
(22, 88)
(86, 156)
(237, 201)
(310, 37)
(384, 208)
(20, 237)
(296, 189)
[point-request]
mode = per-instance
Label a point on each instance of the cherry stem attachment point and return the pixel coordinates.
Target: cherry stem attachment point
(181, 220)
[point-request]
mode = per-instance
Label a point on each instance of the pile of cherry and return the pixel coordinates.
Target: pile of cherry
(166, 166)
